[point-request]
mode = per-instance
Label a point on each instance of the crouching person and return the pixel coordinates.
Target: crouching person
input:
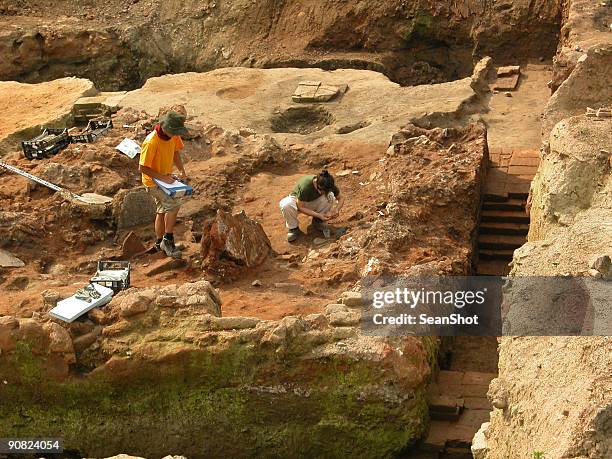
(159, 155)
(316, 196)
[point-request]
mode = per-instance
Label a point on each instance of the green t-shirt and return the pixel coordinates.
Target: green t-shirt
(305, 191)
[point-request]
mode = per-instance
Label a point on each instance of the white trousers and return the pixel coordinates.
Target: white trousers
(288, 207)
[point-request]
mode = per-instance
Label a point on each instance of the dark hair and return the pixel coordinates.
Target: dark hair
(325, 181)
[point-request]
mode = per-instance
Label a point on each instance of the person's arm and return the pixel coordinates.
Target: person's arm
(336, 211)
(178, 162)
(154, 174)
(312, 213)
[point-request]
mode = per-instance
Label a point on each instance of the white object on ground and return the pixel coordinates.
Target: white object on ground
(72, 308)
(129, 148)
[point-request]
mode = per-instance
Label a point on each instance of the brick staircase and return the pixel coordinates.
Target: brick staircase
(458, 405)
(504, 220)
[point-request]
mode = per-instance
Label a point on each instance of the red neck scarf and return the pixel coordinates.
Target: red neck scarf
(162, 135)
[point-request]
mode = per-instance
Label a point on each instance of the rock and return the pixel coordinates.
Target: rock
(235, 237)
(50, 298)
(594, 273)
(7, 325)
(601, 263)
(132, 208)
(256, 283)
(351, 299)
(31, 330)
(508, 71)
(60, 341)
(232, 323)
(314, 91)
(17, 283)
(98, 316)
(479, 442)
(508, 94)
(132, 305)
(84, 341)
(481, 73)
(497, 394)
(8, 260)
(131, 246)
(344, 318)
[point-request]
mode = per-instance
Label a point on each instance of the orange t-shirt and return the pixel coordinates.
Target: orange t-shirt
(158, 154)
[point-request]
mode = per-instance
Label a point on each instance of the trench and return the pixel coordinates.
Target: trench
(503, 224)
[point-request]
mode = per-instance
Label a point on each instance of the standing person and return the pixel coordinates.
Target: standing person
(314, 195)
(160, 153)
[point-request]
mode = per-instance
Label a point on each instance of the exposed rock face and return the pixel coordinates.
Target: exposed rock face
(163, 356)
(554, 393)
(123, 45)
(587, 86)
(235, 236)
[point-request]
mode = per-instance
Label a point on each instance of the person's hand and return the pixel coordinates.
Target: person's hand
(167, 179)
(332, 215)
(323, 217)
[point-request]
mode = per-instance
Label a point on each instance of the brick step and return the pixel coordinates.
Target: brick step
(503, 228)
(510, 204)
(444, 403)
(500, 254)
(504, 216)
(492, 268)
(445, 415)
(495, 197)
(500, 241)
(518, 195)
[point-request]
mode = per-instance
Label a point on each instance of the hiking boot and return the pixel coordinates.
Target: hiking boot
(170, 249)
(320, 225)
(293, 234)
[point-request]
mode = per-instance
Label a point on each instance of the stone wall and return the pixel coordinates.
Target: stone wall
(159, 367)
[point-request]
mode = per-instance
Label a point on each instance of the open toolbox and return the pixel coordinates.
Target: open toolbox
(95, 128)
(47, 144)
(113, 274)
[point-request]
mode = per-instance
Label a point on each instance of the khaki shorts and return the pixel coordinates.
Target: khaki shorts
(163, 202)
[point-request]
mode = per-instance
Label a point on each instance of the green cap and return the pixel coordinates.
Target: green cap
(173, 123)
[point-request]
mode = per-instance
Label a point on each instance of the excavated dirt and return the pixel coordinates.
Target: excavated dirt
(119, 45)
(269, 338)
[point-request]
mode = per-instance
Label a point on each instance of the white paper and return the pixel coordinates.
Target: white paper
(72, 308)
(129, 147)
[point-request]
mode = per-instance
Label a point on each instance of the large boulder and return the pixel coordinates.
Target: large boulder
(133, 207)
(235, 236)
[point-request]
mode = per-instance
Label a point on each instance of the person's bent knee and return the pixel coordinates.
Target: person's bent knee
(288, 202)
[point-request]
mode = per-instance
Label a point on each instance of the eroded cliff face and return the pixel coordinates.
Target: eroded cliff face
(413, 42)
(554, 394)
